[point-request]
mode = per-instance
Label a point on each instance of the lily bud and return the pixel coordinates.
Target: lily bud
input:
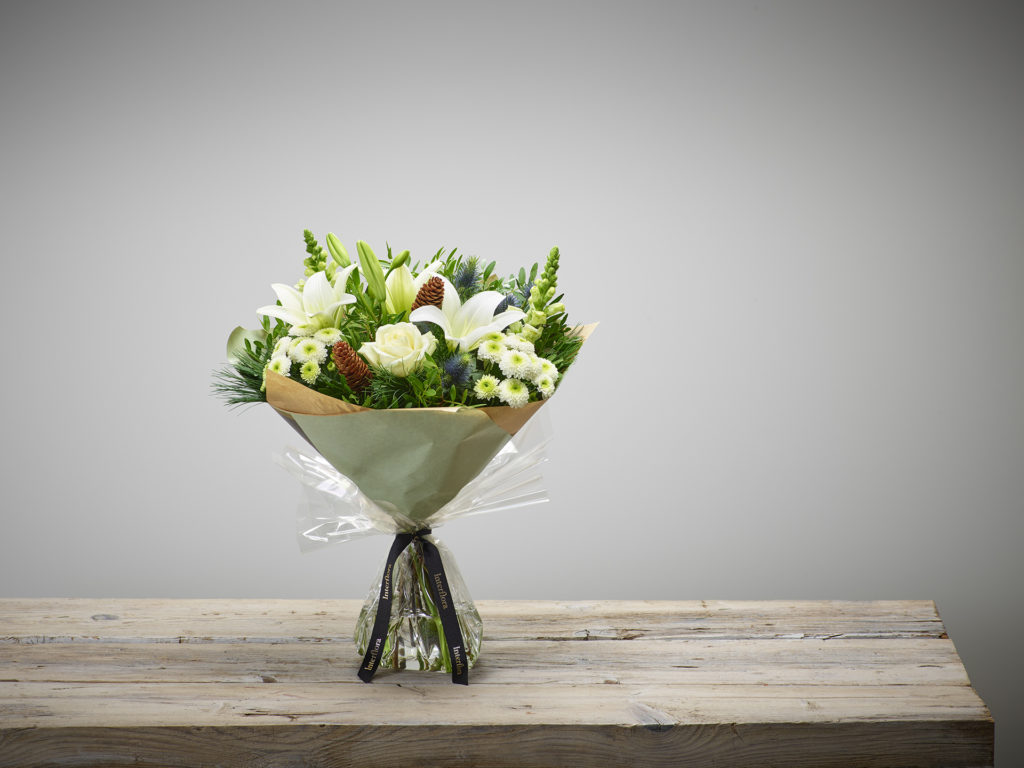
(371, 271)
(338, 252)
(400, 259)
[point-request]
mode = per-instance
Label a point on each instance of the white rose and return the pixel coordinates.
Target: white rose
(398, 348)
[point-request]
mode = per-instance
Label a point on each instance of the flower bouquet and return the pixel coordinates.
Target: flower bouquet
(415, 385)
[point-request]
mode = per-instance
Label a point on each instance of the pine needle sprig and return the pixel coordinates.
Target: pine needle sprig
(243, 382)
(386, 390)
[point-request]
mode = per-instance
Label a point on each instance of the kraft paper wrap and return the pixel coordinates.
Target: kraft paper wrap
(409, 461)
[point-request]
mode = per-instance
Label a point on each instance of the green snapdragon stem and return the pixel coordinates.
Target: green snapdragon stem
(439, 590)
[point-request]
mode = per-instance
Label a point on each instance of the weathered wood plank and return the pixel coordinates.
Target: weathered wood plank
(397, 699)
(126, 620)
(922, 744)
(715, 683)
(788, 662)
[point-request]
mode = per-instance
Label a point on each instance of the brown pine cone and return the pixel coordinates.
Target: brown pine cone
(432, 292)
(350, 365)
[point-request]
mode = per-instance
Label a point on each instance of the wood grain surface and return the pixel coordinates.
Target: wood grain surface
(88, 682)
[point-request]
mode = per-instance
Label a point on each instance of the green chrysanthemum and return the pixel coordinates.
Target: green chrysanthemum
(514, 393)
(486, 387)
(309, 371)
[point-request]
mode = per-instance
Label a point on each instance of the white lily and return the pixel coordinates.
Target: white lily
(316, 306)
(466, 324)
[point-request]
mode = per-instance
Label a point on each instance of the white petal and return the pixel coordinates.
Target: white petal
(450, 302)
(431, 314)
(341, 278)
(503, 320)
(477, 311)
(369, 351)
(283, 313)
(318, 294)
(289, 297)
(425, 274)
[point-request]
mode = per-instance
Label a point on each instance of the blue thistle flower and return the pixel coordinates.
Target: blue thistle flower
(467, 278)
(510, 300)
(458, 369)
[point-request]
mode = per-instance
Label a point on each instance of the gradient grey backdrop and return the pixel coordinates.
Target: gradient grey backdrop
(799, 223)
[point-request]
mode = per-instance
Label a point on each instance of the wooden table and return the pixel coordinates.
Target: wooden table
(613, 683)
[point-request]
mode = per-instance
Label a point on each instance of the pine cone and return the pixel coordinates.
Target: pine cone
(432, 292)
(350, 365)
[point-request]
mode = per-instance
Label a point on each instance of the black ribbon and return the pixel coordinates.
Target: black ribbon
(442, 596)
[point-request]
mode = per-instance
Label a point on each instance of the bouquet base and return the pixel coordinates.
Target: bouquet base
(415, 638)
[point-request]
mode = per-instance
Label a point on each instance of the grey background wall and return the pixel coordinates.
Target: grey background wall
(799, 223)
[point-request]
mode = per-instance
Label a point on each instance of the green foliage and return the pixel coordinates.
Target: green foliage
(243, 381)
(448, 376)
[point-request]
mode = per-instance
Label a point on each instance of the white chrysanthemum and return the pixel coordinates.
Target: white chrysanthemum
(547, 368)
(515, 341)
(282, 347)
(305, 350)
(534, 369)
(280, 364)
(491, 350)
(301, 331)
(309, 371)
(516, 363)
(494, 336)
(487, 387)
(328, 336)
(545, 385)
(513, 392)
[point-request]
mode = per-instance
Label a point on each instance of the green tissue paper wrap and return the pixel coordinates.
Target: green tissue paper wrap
(409, 462)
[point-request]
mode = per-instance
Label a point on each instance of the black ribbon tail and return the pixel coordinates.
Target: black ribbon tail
(442, 595)
(446, 607)
(375, 648)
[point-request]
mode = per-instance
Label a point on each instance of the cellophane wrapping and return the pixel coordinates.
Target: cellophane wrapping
(333, 509)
